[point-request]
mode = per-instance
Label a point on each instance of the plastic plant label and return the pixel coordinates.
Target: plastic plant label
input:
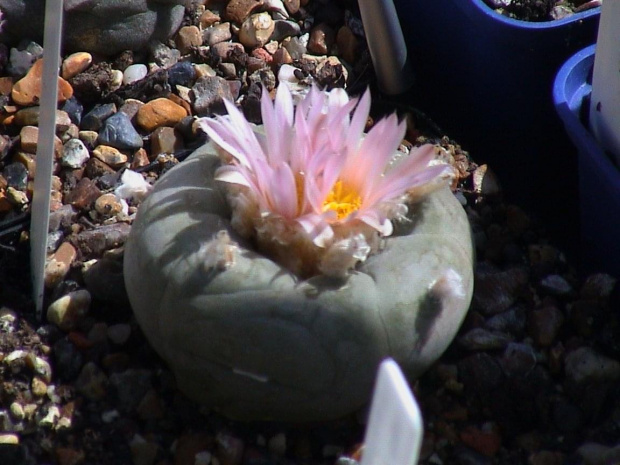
(40, 211)
(395, 429)
(605, 100)
(387, 45)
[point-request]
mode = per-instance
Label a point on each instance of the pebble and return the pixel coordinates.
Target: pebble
(599, 454)
(518, 359)
(92, 382)
(224, 50)
(30, 117)
(322, 38)
(17, 197)
(96, 241)
(118, 132)
(496, 290)
(75, 154)
(208, 95)
(111, 156)
(585, 365)
(188, 37)
(39, 388)
(108, 205)
(83, 195)
(486, 441)
(256, 30)
(151, 407)
(283, 28)
(277, 444)
(134, 73)
(68, 310)
(229, 449)
(20, 61)
(216, 34)
(89, 138)
(159, 112)
(282, 56)
(166, 140)
(348, 45)
(49, 418)
(544, 325)
(28, 138)
(295, 47)
(181, 74)
(68, 360)
(292, 6)
(16, 176)
(59, 264)
(119, 333)
(69, 456)
(556, 285)
(75, 63)
(93, 120)
(143, 452)
(208, 18)
(482, 339)
(163, 55)
(7, 438)
(27, 91)
(74, 109)
(130, 387)
(238, 10)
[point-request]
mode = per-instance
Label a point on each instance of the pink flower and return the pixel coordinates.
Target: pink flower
(310, 184)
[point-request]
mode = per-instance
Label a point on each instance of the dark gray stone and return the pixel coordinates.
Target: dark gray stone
(130, 387)
(67, 360)
(118, 132)
(93, 120)
(208, 95)
(106, 27)
(74, 109)
(182, 73)
(16, 175)
(283, 29)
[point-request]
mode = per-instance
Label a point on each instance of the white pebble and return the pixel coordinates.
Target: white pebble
(134, 73)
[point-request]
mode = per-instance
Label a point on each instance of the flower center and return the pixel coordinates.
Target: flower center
(342, 199)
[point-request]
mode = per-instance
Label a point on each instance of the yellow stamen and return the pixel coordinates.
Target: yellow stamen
(342, 199)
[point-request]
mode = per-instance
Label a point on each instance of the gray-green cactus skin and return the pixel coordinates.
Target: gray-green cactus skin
(254, 342)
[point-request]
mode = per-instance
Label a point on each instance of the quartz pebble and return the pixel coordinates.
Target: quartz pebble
(134, 73)
(75, 154)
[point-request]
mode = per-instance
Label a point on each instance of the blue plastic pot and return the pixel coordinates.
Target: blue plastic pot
(486, 80)
(599, 178)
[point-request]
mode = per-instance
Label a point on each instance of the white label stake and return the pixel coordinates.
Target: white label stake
(40, 210)
(605, 100)
(395, 429)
